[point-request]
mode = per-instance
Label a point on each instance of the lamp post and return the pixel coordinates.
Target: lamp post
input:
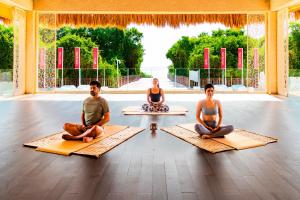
(118, 62)
(103, 68)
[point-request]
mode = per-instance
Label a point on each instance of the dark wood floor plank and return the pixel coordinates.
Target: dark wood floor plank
(146, 176)
(189, 196)
(172, 180)
(159, 187)
(260, 189)
(185, 178)
(59, 188)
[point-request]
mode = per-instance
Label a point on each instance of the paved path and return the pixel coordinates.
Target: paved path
(147, 82)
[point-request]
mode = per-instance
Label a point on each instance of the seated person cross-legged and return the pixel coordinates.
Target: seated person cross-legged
(94, 115)
(155, 98)
(209, 126)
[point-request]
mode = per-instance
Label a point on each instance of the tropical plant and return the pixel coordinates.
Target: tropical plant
(6, 47)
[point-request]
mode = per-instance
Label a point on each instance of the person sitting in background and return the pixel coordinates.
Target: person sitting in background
(155, 98)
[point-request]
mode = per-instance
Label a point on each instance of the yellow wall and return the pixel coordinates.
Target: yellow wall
(23, 4)
(6, 11)
(271, 44)
(280, 4)
(176, 6)
(31, 69)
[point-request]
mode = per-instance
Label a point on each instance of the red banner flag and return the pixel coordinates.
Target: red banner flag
(223, 58)
(256, 59)
(206, 58)
(42, 58)
(95, 58)
(60, 57)
(77, 58)
(240, 58)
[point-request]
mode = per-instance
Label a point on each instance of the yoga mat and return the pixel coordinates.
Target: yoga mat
(137, 110)
(101, 147)
(193, 138)
(55, 144)
(239, 138)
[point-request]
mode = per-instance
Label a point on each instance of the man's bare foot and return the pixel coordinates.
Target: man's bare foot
(206, 136)
(94, 132)
(68, 137)
(87, 139)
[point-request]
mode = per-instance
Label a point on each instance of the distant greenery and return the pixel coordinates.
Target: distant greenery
(6, 47)
(144, 75)
(294, 49)
(294, 72)
(68, 42)
(113, 44)
(188, 52)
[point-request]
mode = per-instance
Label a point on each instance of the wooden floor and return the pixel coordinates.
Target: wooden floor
(149, 166)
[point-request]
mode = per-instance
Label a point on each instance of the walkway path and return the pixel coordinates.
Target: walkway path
(147, 82)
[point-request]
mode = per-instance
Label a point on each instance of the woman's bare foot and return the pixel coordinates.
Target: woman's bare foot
(87, 139)
(206, 136)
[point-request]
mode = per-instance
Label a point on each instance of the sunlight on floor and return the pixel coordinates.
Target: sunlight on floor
(142, 97)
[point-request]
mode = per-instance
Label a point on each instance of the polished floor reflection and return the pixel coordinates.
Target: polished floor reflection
(150, 165)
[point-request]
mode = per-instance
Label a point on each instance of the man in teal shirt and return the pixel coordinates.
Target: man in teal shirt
(95, 114)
